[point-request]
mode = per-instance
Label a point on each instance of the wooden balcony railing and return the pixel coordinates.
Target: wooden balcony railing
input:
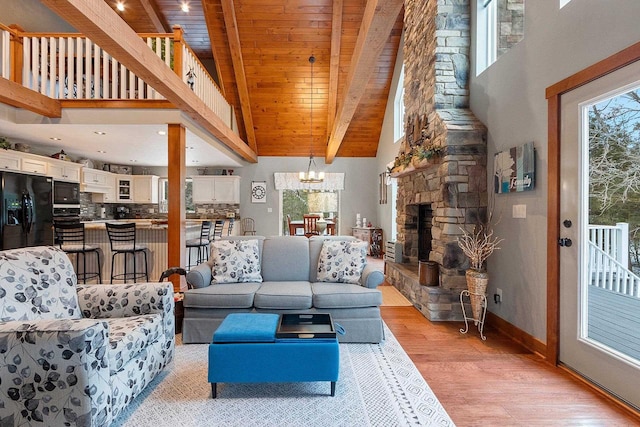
(71, 66)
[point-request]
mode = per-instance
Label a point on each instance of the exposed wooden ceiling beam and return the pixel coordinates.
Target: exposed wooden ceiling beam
(16, 95)
(377, 23)
(229, 12)
(151, 10)
(101, 24)
(334, 63)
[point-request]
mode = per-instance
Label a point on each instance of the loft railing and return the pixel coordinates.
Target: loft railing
(71, 66)
(612, 239)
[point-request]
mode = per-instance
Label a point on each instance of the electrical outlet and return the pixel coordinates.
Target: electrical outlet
(497, 297)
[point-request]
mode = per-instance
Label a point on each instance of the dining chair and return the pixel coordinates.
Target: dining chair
(248, 226)
(310, 228)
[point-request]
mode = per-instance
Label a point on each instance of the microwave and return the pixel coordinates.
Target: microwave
(66, 194)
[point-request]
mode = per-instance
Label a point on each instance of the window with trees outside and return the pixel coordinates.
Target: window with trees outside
(163, 202)
(297, 203)
(614, 170)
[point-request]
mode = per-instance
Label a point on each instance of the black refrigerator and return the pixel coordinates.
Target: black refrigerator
(26, 205)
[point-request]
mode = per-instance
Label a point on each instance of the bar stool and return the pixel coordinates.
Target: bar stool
(71, 239)
(217, 228)
(202, 243)
(231, 222)
(122, 238)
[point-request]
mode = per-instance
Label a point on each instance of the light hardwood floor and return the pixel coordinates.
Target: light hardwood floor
(496, 382)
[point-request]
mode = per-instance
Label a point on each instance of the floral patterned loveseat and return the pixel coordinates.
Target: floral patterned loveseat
(75, 355)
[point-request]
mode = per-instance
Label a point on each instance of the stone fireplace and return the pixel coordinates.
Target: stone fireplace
(442, 194)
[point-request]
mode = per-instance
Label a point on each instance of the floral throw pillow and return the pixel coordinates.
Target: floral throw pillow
(341, 261)
(235, 261)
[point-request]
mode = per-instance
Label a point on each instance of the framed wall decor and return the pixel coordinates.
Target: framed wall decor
(514, 170)
(258, 192)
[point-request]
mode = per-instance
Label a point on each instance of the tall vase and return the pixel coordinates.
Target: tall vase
(477, 286)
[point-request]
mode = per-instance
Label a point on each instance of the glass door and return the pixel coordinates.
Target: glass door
(600, 214)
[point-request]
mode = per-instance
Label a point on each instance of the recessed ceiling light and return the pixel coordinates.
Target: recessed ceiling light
(184, 7)
(120, 6)
(55, 139)
(102, 152)
(162, 132)
(99, 132)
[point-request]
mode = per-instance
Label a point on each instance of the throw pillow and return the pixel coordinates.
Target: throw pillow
(342, 261)
(235, 261)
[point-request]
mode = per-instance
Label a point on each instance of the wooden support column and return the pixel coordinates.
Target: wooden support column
(178, 34)
(176, 233)
(16, 49)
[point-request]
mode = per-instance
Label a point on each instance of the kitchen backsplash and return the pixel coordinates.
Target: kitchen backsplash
(89, 209)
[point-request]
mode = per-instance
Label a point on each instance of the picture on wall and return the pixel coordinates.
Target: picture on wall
(514, 169)
(258, 192)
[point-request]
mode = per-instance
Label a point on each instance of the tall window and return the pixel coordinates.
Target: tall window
(398, 109)
(500, 26)
(164, 195)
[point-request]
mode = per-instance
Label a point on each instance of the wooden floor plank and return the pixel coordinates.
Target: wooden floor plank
(496, 382)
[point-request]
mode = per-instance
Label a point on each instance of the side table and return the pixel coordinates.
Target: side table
(179, 311)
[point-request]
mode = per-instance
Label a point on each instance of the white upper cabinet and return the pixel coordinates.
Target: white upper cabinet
(10, 160)
(94, 178)
(145, 189)
(216, 189)
(35, 164)
(64, 171)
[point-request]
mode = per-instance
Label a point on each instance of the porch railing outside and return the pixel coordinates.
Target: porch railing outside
(71, 66)
(609, 259)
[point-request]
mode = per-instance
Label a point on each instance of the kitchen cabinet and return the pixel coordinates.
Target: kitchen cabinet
(109, 194)
(216, 189)
(34, 165)
(94, 178)
(371, 235)
(124, 188)
(145, 189)
(10, 160)
(64, 171)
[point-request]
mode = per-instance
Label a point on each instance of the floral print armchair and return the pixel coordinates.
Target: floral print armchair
(75, 355)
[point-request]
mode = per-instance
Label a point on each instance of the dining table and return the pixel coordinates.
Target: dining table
(298, 224)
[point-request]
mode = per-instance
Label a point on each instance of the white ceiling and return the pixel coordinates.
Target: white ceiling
(130, 136)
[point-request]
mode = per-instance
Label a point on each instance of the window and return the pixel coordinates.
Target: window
(164, 195)
(297, 203)
(563, 3)
(398, 109)
(500, 27)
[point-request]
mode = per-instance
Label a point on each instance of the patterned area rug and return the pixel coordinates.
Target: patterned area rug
(378, 386)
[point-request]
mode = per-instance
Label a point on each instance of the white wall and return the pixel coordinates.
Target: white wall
(388, 149)
(359, 196)
(509, 97)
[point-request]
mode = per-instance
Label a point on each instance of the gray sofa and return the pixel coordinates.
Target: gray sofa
(289, 269)
(76, 355)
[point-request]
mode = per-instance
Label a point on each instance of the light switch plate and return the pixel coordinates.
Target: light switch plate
(269, 210)
(519, 211)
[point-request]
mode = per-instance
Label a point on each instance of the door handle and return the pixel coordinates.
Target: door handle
(564, 241)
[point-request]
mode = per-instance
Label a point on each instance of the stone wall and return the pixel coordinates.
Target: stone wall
(436, 55)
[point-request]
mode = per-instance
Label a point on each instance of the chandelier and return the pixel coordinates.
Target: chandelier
(310, 175)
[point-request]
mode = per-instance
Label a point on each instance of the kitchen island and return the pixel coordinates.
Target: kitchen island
(150, 233)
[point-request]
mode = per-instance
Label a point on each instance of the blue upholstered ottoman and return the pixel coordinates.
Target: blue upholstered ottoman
(245, 350)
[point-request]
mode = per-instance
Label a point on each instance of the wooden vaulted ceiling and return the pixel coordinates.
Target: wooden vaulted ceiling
(261, 50)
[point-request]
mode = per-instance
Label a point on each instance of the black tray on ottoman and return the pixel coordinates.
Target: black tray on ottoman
(316, 325)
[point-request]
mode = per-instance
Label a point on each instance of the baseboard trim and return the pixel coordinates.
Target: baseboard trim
(516, 334)
(605, 394)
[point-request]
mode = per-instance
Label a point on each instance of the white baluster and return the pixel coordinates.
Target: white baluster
(53, 69)
(62, 74)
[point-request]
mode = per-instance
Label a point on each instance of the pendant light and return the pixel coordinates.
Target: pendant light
(310, 176)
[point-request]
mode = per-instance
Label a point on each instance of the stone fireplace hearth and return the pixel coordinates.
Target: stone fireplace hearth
(450, 187)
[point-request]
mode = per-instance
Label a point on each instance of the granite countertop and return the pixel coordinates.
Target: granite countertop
(155, 224)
